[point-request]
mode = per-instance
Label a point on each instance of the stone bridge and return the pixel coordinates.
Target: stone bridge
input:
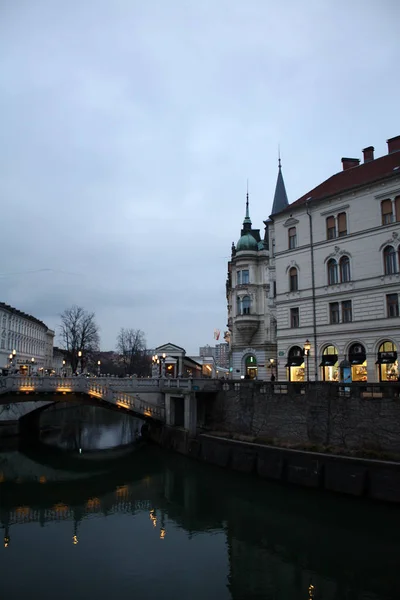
(149, 398)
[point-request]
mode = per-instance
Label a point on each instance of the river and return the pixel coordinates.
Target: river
(95, 512)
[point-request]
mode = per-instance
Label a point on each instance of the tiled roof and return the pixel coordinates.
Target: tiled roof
(19, 313)
(345, 181)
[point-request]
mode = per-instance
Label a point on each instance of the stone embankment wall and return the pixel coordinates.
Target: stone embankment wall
(359, 417)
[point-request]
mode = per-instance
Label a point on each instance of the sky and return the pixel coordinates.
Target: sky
(129, 129)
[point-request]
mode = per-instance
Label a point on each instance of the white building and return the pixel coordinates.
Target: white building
(337, 263)
(26, 344)
(250, 291)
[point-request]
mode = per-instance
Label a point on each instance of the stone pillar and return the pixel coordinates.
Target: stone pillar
(168, 410)
(191, 413)
(180, 366)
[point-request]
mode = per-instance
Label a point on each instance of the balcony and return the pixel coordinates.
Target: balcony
(247, 325)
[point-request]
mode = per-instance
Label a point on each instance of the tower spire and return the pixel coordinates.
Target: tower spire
(280, 196)
(247, 220)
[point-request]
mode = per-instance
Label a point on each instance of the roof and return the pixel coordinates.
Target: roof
(344, 181)
(20, 313)
(247, 242)
(280, 197)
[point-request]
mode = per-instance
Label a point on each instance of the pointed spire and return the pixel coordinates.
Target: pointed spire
(247, 220)
(280, 197)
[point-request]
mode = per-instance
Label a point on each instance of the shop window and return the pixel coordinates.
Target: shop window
(358, 362)
(389, 260)
(387, 212)
(344, 265)
(292, 238)
(334, 316)
(294, 318)
(392, 305)
(387, 362)
(332, 272)
(330, 228)
(329, 364)
(295, 364)
(293, 280)
(342, 224)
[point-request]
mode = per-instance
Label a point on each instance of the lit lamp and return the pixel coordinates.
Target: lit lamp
(80, 358)
(307, 348)
(98, 367)
(64, 371)
(10, 359)
(32, 364)
(14, 360)
(271, 366)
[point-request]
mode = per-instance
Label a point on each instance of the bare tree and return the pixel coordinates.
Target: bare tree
(80, 333)
(131, 345)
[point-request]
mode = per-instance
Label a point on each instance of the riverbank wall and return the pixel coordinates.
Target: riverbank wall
(374, 479)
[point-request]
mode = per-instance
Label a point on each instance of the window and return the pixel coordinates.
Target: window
(347, 314)
(389, 260)
(294, 318)
(334, 316)
(344, 265)
(342, 224)
(242, 277)
(292, 238)
(332, 272)
(397, 207)
(330, 228)
(387, 212)
(392, 304)
(293, 280)
(246, 305)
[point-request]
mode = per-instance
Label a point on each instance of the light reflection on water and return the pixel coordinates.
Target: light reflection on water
(153, 525)
(88, 428)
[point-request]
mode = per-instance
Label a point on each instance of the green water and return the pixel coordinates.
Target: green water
(148, 524)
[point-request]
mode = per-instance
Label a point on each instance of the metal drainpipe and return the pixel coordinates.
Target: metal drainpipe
(313, 292)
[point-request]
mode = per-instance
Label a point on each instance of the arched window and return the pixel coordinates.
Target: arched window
(387, 212)
(332, 272)
(330, 228)
(342, 224)
(246, 305)
(389, 260)
(344, 269)
(292, 238)
(293, 280)
(387, 362)
(397, 207)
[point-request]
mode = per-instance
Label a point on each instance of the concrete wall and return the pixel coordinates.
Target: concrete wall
(316, 414)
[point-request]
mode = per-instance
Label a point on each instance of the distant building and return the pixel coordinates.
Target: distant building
(207, 351)
(26, 343)
(222, 355)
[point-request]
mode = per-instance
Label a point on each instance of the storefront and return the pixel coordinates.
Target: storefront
(251, 367)
(388, 369)
(329, 364)
(358, 362)
(295, 364)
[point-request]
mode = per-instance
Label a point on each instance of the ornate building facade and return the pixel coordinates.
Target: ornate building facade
(26, 344)
(319, 296)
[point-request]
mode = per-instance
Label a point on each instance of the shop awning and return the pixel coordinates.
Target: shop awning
(358, 359)
(386, 358)
(329, 360)
(295, 361)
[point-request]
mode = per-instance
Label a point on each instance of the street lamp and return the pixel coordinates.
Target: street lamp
(98, 367)
(271, 365)
(80, 359)
(10, 358)
(160, 362)
(32, 364)
(307, 348)
(64, 370)
(14, 359)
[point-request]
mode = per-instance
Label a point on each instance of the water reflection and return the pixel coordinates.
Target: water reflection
(158, 526)
(81, 428)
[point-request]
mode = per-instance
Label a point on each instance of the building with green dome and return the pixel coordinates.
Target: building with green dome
(251, 291)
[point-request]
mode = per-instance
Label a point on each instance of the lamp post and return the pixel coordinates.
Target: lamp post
(80, 359)
(271, 365)
(32, 364)
(64, 370)
(98, 368)
(10, 359)
(14, 358)
(160, 362)
(307, 348)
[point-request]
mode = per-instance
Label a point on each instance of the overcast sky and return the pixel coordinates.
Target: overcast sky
(129, 129)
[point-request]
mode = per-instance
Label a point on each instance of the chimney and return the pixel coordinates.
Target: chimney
(368, 154)
(393, 144)
(348, 163)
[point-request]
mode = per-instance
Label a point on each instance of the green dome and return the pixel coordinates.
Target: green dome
(247, 242)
